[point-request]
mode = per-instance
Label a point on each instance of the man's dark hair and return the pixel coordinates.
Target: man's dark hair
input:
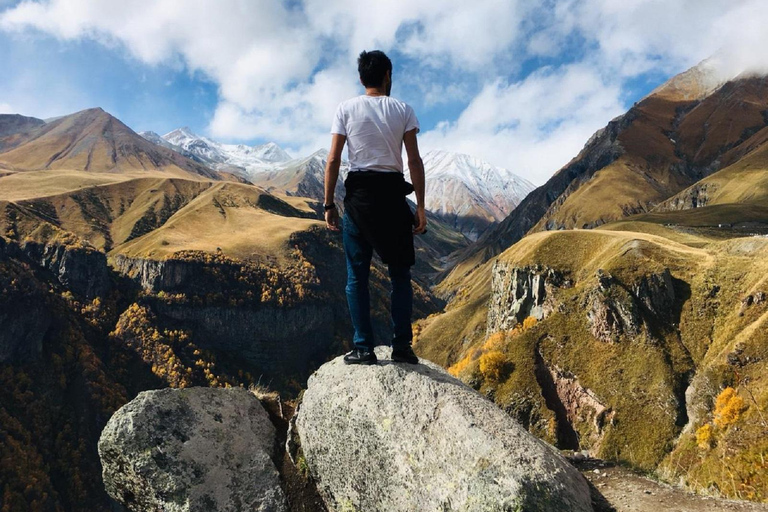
(373, 67)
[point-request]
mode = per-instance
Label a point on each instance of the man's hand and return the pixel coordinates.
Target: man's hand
(332, 219)
(421, 221)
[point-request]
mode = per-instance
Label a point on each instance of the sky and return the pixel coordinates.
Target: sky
(518, 83)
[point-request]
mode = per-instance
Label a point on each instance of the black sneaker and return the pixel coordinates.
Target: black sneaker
(404, 354)
(360, 356)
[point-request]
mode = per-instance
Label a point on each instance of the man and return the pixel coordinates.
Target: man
(376, 215)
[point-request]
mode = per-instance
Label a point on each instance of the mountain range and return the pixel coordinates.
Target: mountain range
(470, 194)
(466, 193)
(684, 131)
(618, 309)
(621, 308)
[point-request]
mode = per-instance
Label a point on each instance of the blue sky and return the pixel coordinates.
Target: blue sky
(517, 83)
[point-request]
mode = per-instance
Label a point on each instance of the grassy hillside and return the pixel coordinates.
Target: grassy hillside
(91, 141)
(684, 131)
(647, 396)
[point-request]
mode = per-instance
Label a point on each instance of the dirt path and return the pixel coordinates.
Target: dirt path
(624, 491)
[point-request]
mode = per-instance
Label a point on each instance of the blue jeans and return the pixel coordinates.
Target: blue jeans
(358, 254)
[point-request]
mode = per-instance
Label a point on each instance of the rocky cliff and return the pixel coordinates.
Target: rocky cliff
(518, 293)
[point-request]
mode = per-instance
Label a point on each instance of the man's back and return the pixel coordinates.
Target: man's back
(374, 127)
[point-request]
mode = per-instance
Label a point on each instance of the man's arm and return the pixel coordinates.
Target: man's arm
(416, 167)
(331, 177)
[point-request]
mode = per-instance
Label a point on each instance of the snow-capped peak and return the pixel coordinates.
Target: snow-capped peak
(460, 187)
(239, 158)
(271, 152)
(179, 134)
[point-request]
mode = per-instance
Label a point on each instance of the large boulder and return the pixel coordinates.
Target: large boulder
(194, 449)
(398, 437)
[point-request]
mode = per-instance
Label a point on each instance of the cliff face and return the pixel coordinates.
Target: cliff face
(83, 271)
(519, 293)
(24, 310)
(636, 359)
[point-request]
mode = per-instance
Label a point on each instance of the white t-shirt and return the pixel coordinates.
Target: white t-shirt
(374, 127)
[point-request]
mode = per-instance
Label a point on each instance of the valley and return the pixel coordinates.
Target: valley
(618, 310)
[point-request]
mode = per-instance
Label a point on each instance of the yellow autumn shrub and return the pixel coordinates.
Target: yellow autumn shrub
(529, 322)
(493, 365)
(460, 366)
(705, 436)
(494, 342)
(728, 408)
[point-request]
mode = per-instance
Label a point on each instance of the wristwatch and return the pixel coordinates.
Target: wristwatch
(329, 206)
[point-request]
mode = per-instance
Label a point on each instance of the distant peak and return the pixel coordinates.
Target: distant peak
(693, 84)
(94, 112)
(184, 131)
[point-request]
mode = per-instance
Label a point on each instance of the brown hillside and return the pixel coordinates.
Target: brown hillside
(94, 141)
(667, 142)
(745, 182)
(640, 329)
(14, 129)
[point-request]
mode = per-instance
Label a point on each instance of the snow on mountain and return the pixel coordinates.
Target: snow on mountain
(271, 152)
(469, 193)
(248, 161)
(303, 177)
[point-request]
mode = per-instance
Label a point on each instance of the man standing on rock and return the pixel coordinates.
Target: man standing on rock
(376, 214)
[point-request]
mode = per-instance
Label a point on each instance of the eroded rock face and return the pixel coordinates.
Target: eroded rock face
(520, 292)
(83, 271)
(614, 309)
(583, 408)
(194, 449)
(397, 437)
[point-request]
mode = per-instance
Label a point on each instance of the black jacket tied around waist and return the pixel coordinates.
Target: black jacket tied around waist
(375, 201)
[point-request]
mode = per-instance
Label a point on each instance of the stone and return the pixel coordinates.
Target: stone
(397, 437)
(194, 449)
(521, 292)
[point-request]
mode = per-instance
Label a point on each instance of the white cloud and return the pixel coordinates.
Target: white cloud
(6, 108)
(535, 126)
(281, 70)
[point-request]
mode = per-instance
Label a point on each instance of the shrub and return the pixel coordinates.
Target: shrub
(705, 436)
(529, 322)
(728, 408)
(460, 366)
(494, 342)
(493, 365)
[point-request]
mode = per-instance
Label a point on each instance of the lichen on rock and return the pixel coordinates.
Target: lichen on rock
(193, 449)
(397, 437)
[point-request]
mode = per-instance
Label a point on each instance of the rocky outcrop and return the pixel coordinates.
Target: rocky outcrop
(82, 271)
(397, 437)
(583, 409)
(195, 449)
(520, 292)
(157, 275)
(656, 292)
(615, 310)
(695, 196)
(25, 315)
